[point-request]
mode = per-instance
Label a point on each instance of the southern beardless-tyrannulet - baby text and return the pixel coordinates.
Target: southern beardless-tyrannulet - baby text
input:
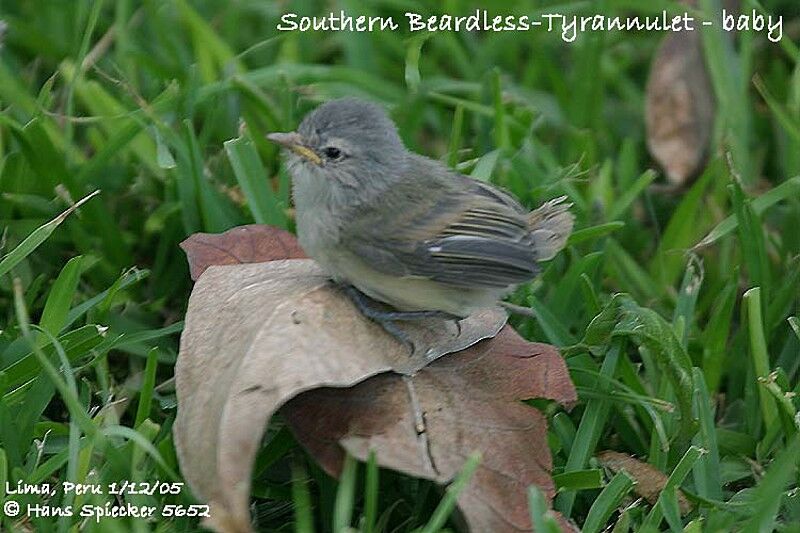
(402, 228)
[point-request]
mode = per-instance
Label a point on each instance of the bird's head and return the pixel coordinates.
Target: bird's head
(347, 143)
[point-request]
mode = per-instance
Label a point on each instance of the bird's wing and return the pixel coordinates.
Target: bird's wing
(468, 234)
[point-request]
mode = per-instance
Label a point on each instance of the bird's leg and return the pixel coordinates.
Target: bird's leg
(370, 308)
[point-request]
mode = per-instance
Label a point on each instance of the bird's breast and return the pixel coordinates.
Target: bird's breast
(317, 217)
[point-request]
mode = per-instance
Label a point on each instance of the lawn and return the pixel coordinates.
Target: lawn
(675, 304)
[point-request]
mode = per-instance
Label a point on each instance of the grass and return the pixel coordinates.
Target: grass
(677, 313)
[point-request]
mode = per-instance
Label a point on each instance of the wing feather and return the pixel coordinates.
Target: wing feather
(474, 235)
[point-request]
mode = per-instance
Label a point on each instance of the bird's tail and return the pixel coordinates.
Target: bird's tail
(550, 225)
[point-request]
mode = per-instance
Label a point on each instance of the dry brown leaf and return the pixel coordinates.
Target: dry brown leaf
(255, 243)
(258, 335)
(427, 425)
(679, 107)
(649, 480)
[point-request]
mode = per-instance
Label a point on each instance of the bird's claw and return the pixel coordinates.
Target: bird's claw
(387, 319)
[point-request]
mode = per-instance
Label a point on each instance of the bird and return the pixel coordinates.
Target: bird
(403, 230)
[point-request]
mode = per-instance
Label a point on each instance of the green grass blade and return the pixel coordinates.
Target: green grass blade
(795, 325)
(345, 495)
(448, 503)
(413, 54)
(211, 50)
(706, 470)
(751, 239)
(77, 343)
(788, 189)
(86, 39)
(247, 167)
(591, 425)
(566, 297)
(758, 351)
(216, 213)
(123, 282)
(541, 517)
(147, 335)
(595, 232)
(579, 480)
(456, 133)
(275, 449)
(657, 339)
(681, 231)
(73, 446)
(630, 275)
(371, 488)
(57, 306)
(629, 195)
(791, 125)
(669, 494)
(565, 430)
(607, 502)
(501, 136)
(485, 166)
(76, 410)
(32, 241)
(146, 388)
(716, 334)
(590, 297)
(767, 497)
(143, 443)
(301, 496)
(163, 155)
(554, 329)
(687, 298)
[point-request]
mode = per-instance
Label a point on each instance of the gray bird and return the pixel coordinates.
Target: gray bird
(404, 229)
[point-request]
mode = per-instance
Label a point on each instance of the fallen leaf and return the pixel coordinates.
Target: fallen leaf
(650, 481)
(258, 335)
(255, 243)
(679, 107)
(427, 425)
(255, 336)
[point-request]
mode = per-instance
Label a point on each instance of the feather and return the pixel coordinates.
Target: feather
(550, 225)
(457, 231)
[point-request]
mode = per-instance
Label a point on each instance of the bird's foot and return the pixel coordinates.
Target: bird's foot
(387, 318)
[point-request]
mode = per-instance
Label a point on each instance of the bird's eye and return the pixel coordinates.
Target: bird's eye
(331, 152)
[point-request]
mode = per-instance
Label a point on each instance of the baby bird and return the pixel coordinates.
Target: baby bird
(404, 229)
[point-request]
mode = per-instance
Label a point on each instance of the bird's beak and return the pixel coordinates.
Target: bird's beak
(294, 142)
